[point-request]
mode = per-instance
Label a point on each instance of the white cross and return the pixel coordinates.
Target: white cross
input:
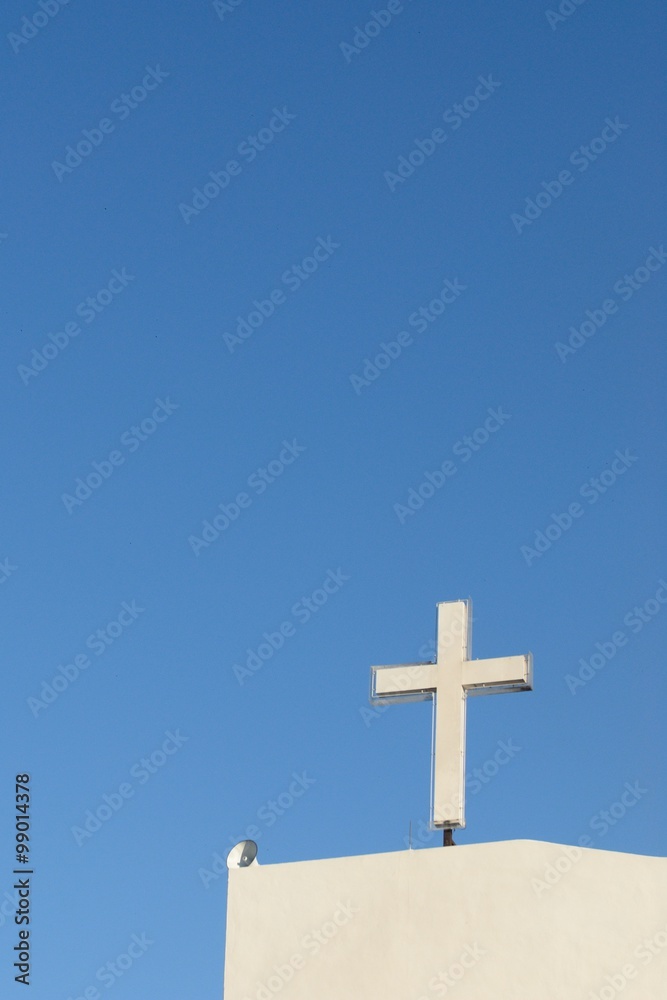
(449, 681)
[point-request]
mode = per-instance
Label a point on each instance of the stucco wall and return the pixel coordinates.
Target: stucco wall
(518, 920)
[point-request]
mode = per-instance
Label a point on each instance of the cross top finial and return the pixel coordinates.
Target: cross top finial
(448, 682)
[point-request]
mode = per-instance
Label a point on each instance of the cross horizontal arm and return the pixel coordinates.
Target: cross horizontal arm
(403, 682)
(495, 676)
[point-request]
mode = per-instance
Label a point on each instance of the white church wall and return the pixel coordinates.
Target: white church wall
(518, 920)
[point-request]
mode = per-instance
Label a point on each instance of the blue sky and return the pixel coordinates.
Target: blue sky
(457, 214)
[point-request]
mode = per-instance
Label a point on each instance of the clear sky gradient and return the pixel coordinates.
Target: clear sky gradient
(308, 327)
